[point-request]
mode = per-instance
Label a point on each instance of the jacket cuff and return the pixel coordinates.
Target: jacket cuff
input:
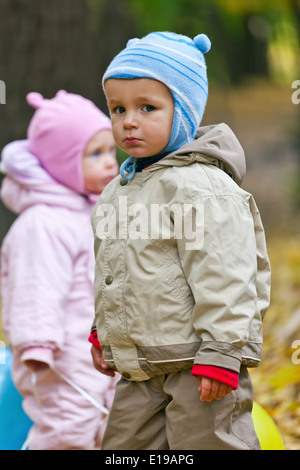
(38, 353)
(93, 338)
(219, 354)
(226, 376)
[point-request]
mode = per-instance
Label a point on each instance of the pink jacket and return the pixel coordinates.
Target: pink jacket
(47, 272)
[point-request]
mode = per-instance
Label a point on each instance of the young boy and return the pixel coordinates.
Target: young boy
(182, 274)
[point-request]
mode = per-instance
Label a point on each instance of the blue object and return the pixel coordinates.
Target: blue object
(14, 423)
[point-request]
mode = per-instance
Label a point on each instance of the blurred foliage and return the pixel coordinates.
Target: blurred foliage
(51, 45)
(277, 380)
(249, 36)
(46, 46)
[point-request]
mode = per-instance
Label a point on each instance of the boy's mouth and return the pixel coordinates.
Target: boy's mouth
(131, 140)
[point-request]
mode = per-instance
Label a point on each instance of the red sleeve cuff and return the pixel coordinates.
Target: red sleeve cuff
(226, 376)
(93, 338)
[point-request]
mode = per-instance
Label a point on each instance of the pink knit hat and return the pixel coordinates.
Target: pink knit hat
(59, 132)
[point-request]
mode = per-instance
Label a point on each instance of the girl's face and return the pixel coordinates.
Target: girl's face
(99, 162)
(141, 114)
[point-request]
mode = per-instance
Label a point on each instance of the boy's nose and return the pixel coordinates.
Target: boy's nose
(130, 120)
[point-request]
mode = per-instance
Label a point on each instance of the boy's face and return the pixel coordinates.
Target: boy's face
(142, 112)
(99, 164)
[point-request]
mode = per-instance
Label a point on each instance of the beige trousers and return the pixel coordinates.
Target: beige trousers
(165, 413)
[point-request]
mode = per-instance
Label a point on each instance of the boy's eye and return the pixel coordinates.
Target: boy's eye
(119, 110)
(148, 108)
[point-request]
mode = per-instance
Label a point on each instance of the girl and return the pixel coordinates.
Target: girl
(52, 181)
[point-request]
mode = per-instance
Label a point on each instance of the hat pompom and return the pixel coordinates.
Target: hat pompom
(131, 42)
(35, 99)
(202, 43)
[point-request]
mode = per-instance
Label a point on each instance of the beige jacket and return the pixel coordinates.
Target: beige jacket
(182, 272)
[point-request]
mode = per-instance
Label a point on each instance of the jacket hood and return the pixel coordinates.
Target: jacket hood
(215, 145)
(27, 183)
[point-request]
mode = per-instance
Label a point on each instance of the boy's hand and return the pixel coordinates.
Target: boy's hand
(211, 389)
(100, 364)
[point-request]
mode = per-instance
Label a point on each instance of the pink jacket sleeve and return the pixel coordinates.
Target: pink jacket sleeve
(36, 278)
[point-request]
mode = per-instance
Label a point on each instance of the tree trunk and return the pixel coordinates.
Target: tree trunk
(50, 45)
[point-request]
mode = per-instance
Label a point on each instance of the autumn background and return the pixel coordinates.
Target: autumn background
(254, 61)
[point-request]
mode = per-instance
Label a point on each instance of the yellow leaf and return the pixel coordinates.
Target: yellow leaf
(286, 376)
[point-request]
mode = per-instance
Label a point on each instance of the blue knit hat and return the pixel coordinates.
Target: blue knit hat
(178, 62)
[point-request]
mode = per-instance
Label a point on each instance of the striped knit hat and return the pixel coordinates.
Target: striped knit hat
(178, 62)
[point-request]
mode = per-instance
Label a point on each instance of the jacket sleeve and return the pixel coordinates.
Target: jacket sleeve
(220, 268)
(36, 282)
